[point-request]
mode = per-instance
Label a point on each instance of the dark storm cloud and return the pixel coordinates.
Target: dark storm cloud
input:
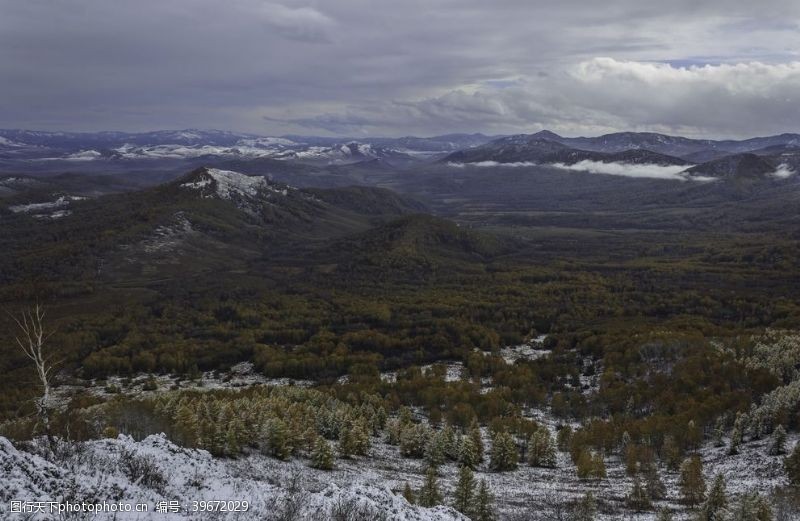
(380, 67)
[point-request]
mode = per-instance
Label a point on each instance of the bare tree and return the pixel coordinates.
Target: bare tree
(31, 338)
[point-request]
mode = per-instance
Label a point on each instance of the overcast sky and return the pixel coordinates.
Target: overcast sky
(726, 68)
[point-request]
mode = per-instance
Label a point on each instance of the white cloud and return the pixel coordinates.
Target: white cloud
(493, 164)
(601, 95)
(299, 23)
(783, 171)
(672, 172)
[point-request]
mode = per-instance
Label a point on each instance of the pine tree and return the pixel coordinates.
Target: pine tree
(405, 416)
(752, 507)
(715, 506)
(434, 450)
(483, 508)
(232, 447)
(692, 484)
(583, 464)
(393, 430)
(322, 455)
(653, 483)
(429, 494)
(585, 509)
(719, 432)
(778, 445)
(413, 439)
(563, 438)
(541, 450)
(465, 491)
(598, 466)
(671, 453)
(451, 443)
(475, 435)
(278, 439)
(408, 493)
(792, 466)
(638, 499)
(737, 433)
(469, 453)
(504, 453)
(625, 443)
(361, 438)
(346, 443)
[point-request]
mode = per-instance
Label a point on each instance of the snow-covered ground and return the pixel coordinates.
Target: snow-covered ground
(527, 351)
(154, 470)
(156, 473)
(50, 209)
(526, 493)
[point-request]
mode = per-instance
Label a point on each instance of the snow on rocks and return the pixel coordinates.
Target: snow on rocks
(233, 186)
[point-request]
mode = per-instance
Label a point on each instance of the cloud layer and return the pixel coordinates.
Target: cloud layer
(723, 68)
(672, 172)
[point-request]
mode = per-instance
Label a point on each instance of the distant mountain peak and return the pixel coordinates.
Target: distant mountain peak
(230, 185)
(736, 166)
(546, 134)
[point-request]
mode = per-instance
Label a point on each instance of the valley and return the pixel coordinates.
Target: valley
(238, 314)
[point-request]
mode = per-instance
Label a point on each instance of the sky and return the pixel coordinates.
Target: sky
(725, 68)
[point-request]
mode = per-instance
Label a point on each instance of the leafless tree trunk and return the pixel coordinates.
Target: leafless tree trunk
(31, 338)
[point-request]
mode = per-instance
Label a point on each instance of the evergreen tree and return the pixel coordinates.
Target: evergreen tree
(715, 507)
(638, 499)
(719, 432)
(664, 514)
(563, 438)
(465, 491)
(393, 430)
(598, 466)
(232, 447)
(475, 435)
(653, 483)
(504, 453)
(346, 444)
(792, 466)
(451, 443)
(585, 509)
(541, 450)
(625, 442)
(752, 507)
(429, 494)
(694, 435)
(737, 433)
(778, 445)
(469, 453)
(671, 453)
(360, 433)
(583, 464)
(413, 439)
(435, 450)
(408, 493)
(322, 455)
(483, 509)
(277, 439)
(405, 416)
(691, 482)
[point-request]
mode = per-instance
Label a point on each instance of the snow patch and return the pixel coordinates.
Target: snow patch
(113, 471)
(39, 208)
